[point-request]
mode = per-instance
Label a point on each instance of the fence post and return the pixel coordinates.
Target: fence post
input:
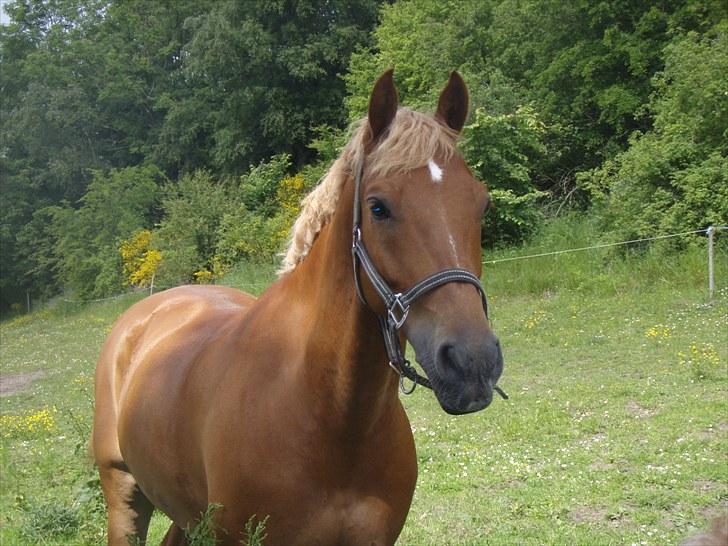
(151, 285)
(711, 270)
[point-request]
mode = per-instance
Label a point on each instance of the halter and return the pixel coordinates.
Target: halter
(398, 303)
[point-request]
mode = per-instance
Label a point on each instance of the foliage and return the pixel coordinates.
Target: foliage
(139, 260)
(616, 103)
(96, 85)
(254, 532)
(188, 234)
(115, 206)
(203, 534)
(258, 187)
(263, 73)
(502, 149)
(250, 234)
(674, 178)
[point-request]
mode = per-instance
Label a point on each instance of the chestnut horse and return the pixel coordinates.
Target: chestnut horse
(284, 406)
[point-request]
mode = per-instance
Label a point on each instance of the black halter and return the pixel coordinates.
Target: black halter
(398, 304)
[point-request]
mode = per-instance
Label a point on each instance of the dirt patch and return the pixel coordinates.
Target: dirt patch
(17, 382)
(640, 412)
(601, 466)
(587, 514)
(705, 485)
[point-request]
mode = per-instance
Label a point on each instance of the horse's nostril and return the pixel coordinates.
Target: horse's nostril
(448, 362)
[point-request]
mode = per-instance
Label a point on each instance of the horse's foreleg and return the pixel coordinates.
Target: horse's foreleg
(128, 508)
(174, 537)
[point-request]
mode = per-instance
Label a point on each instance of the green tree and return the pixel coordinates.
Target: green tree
(265, 73)
(116, 205)
(674, 177)
(187, 236)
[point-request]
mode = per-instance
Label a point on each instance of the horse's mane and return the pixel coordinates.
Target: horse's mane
(412, 139)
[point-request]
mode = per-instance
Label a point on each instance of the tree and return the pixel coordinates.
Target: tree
(264, 73)
(116, 205)
(674, 177)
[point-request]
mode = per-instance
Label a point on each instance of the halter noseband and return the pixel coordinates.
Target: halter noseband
(398, 304)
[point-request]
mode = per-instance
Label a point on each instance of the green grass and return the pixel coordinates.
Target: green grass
(616, 431)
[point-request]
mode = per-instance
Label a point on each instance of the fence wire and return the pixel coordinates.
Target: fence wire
(604, 245)
(262, 286)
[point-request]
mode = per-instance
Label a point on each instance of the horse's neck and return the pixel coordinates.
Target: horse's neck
(346, 357)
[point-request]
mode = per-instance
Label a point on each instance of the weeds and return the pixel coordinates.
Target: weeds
(32, 424)
(254, 536)
(49, 521)
(203, 534)
(701, 359)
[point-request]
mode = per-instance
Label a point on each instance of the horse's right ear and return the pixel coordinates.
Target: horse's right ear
(382, 104)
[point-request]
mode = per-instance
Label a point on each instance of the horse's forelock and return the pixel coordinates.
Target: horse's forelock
(412, 140)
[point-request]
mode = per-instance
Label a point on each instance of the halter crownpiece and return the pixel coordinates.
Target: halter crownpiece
(398, 303)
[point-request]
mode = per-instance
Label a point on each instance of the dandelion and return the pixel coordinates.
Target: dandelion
(700, 359)
(658, 331)
(534, 320)
(31, 424)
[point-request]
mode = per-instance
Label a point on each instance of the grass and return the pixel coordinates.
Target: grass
(616, 431)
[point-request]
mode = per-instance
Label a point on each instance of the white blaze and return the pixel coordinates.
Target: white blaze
(435, 171)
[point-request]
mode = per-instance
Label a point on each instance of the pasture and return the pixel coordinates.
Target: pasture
(616, 431)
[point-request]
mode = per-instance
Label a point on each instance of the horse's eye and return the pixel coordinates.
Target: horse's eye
(379, 210)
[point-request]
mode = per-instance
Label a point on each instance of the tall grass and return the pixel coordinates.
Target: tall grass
(602, 271)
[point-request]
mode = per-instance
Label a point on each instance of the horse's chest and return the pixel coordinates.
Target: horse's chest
(352, 520)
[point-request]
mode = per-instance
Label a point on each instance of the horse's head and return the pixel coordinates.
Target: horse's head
(419, 221)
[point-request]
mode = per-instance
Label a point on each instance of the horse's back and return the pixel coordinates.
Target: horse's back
(158, 335)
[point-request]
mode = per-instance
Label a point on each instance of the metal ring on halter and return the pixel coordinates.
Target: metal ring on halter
(399, 307)
(402, 388)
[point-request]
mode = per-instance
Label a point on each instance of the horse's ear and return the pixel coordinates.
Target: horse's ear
(382, 104)
(452, 108)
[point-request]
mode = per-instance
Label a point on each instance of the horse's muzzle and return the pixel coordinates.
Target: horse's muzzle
(466, 373)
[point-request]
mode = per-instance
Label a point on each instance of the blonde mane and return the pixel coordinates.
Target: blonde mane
(411, 141)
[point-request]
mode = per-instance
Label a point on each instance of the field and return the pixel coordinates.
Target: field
(616, 431)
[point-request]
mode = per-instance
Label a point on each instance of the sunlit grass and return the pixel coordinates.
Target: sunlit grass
(616, 431)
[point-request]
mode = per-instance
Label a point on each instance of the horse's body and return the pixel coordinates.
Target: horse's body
(281, 407)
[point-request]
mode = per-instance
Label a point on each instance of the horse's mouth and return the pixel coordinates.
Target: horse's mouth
(461, 397)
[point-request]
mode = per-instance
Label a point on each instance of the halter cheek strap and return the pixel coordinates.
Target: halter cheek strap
(398, 303)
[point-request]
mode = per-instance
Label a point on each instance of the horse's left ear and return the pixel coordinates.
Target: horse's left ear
(452, 108)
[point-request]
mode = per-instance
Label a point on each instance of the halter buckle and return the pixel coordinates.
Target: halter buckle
(398, 307)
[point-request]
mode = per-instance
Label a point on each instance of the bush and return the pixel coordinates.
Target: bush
(188, 235)
(246, 234)
(675, 177)
(502, 149)
(116, 205)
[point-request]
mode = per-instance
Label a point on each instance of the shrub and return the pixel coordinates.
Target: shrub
(187, 237)
(675, 177)
(140, 261)
(501, 150)
(116, 205)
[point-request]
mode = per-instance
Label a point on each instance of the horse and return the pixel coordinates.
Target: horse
(286, 407)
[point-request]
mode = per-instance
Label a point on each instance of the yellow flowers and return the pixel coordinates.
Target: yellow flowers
(534, 320)
(207, 276)
(658, 331)
(42, 420)
(700, 359)
(140, 261)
